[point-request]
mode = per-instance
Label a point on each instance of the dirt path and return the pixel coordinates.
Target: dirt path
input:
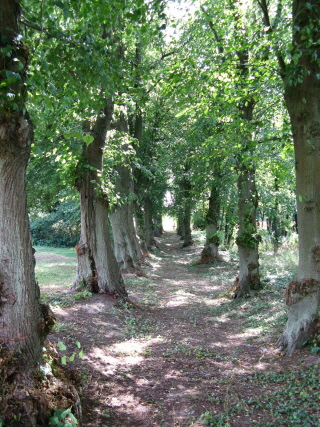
(187, 352)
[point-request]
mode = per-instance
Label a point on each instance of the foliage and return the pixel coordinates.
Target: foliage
(60, 227)
(248, 240)
(63, 418)
(288, 399)
(64, 359)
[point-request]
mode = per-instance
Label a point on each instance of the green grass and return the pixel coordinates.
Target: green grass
(53, 273)
(68, 252)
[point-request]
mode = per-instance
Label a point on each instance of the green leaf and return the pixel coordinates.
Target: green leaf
(300, 198)
(71, 358)
(73, 134)
(64, 360)
(55, 421)
(59, 4)
(78, 344)
(61, 346)
(88, 139)
(12, 75)
(81, 354)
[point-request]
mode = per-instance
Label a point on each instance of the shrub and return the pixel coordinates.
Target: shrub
(60, 227)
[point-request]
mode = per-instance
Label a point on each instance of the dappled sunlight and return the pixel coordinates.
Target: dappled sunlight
(223, 318)
(135, 346)
(248, 333)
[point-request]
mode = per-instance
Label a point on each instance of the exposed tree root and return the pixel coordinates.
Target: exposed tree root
(302, 299)
(29, 398)
(208, 259)
(187, 244)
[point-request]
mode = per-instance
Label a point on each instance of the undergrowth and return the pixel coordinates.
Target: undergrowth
(284, 399)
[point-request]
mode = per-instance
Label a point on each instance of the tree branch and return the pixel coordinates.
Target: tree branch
(212, 28)
(266, 22)
(59, 36)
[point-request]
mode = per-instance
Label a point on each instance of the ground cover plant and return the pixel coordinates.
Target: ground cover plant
(187, 353)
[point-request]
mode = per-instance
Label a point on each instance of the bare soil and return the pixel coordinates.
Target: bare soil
(173, 359)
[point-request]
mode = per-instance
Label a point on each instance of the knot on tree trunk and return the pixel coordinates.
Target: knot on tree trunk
(253, 266)
(80, 249)
(316, 257)
(296, 290)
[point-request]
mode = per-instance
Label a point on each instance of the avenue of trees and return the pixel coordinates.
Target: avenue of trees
(106, 107)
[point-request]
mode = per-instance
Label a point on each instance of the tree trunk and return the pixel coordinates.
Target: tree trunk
(275, 222)
(148, 224)
(247, 239)
(21, 316)
(158, 227)
(229, 226)
(180, 225)
(185, 221)
(187, 241)
(303, 103)
(210, 251)
(97, 268)
(143, 209)
(127, 249)
(23, 325)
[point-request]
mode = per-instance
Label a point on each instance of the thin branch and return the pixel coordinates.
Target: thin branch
(212, 28)
(47, 33)
(266, 22)
(165, 55)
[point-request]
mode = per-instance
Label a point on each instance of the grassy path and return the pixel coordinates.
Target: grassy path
(191, 351)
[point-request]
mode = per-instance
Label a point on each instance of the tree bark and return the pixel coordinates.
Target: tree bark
(274, 220)
(186, 213)
(247, 239)
(127, 249)
(302, 96)
(97, 268)
(22, 321)
(143, 206)
(158, 226)
(210, 252)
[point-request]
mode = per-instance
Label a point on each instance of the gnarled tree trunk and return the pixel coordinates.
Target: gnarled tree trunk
(247, 239)
(22, 324)
(210, 252)
(97, 268)
(303, 103)
(126, 245)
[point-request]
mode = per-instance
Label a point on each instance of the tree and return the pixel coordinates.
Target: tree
(301, 79)
(210, 252)
(97, 268)
(22, 320)
(127, 249)
(102, 62)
